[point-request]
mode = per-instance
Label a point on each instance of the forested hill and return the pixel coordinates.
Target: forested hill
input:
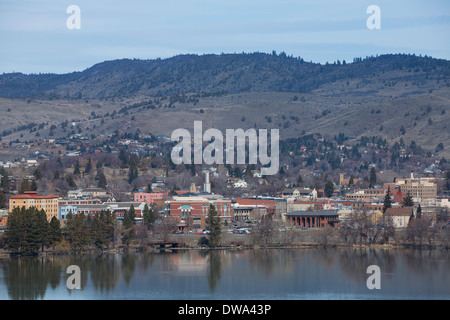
(225, 73)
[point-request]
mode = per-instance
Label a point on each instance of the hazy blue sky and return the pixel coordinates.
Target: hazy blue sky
(34, 37)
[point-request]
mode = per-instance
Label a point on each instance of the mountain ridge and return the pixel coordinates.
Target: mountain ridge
(230, 73)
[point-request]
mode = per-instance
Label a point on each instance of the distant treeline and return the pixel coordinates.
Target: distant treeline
(28, 231)
(232, 73)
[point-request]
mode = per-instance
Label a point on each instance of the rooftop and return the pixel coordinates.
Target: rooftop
(33, 195)
(312, 213)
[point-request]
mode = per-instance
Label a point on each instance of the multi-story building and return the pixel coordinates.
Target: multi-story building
(423, 191)
(150, 197)
(30, 199)
(366, 194)
(117, 208)
(191, 209)
(249, 212)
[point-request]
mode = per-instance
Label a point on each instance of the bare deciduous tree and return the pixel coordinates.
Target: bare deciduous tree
(418, 230)
(325, 235)
(263, 233)
(165, 228)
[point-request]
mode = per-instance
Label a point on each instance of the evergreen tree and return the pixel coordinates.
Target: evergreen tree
(5, 180)
(71, 182)
(132, 173)
(27, 230)
(419, 212)
(2, 200)
(329, 188)
(447, 176)
(37, 174)
(149, 216)
(387, 200)
(408, 200)
(55, 233)
(88, 168)
(213, 225)
(14, 231)
(124, 157)
(129, 230)
(77, 170)
(24, 186)
(101, 178)
(42, 228)
(33, 185)
(351, 181)
(76, 231)
(102, 229)
(99, 165)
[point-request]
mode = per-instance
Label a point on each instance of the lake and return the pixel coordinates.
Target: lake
(260, 274)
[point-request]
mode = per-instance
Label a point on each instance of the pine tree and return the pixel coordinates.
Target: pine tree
(27, 230)
(13, 235)
(100, 231)
(24, 186)
(149, 216)
(5, 180)
(77, 171)
(34, 185)
(37, 174)
(124, 157)
(213, 225)
(329, 188)
(55, 233)
(351, 181)
(447, 176)
(77, 232)
(129, 230)
(71, 182)
(102, 183)
(419, 212)
(408, 200)
(387, 200)
(88, 168)
(42, 228)
(2, 200)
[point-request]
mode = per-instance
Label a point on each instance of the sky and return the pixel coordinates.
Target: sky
(35, 37)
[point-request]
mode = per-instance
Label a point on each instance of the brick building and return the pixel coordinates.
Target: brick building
(149, 197)
(191, 209)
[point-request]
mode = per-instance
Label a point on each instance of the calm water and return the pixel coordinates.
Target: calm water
(250, 274)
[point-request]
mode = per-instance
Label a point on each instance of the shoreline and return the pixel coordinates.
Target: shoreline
(153, 249)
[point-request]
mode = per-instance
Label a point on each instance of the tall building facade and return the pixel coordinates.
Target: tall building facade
(30, 199)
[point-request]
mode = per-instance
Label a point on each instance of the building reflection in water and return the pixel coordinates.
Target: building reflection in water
(226, 272)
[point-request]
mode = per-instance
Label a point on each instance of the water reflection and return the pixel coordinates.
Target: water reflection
(105, 273)
(214, 269)
(265, 273)
(28, 278)
(128, 264)
(354, 263)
